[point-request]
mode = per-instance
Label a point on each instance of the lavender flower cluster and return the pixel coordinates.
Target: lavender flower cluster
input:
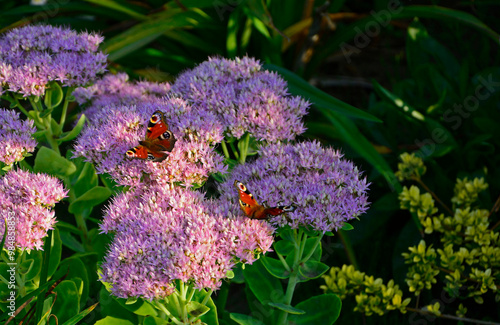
(29, 198)
(116, 90)
(33, 56)
(167, 233)
(164, 230)
(326, 189)
(119, 128)
(16, 137)
(246, 98)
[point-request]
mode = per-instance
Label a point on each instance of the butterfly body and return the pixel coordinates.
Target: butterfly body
(159, 140)
(253, 209)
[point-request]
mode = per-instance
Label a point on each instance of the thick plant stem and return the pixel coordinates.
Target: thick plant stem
(283, 261)
(45, 125)
(192, 319)
(294, 277)
(36, 120)
(224, 149)
(182, 301)
(205, 300)
(65, 108)
(292, 283)
(316, 243)
(52, 142)
(235, 152)
(244, 148)
(300, 239)
(161, 307)
(175, 299)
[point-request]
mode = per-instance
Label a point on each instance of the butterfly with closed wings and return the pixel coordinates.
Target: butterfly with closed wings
(159, 140)
(254, 210)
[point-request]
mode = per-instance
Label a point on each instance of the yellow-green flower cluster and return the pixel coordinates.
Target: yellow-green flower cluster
(372, 295)
(466, 192)
(434, 309)
(422, 272)
(470, 252)
(422, 204)
(410, 167)
(466, 224)
(468, 257)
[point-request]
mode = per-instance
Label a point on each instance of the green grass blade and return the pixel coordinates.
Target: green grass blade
(320, 99)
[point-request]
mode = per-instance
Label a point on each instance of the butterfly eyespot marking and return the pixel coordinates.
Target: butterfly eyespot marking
(157, 143)
(165, 136)
(254, 210)
(155, 118)
(241, 186)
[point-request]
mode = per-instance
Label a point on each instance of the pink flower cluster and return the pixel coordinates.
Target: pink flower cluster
(326, 189)
(245, 97)
(16, 137)
(167, 233)
(164, 230)
(32, 56)
(29, 198)
(117, 90)
(117, 129)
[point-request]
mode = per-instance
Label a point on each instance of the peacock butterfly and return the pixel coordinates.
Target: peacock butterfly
(254, 210)
(159, 140)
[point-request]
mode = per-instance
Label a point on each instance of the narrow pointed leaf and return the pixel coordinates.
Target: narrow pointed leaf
(77, 318)
(319, 98)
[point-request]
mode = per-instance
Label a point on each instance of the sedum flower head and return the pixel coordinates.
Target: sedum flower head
(246, 98)
(166, 233)
(32, 56)
(15, 137)
(326, 189)
(116, 129)
(29, 198)
(116, 89)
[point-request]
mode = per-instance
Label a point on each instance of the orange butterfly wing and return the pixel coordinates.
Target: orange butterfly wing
(138, 152)
(279, 210)
(158, 142)
(254, 210)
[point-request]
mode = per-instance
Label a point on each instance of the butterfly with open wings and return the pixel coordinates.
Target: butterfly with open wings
(159, 140)
(254, 210)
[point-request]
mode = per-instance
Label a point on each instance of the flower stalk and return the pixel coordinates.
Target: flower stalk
(299, 243)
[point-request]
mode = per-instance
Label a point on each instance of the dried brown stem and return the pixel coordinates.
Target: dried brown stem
(419, 181)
